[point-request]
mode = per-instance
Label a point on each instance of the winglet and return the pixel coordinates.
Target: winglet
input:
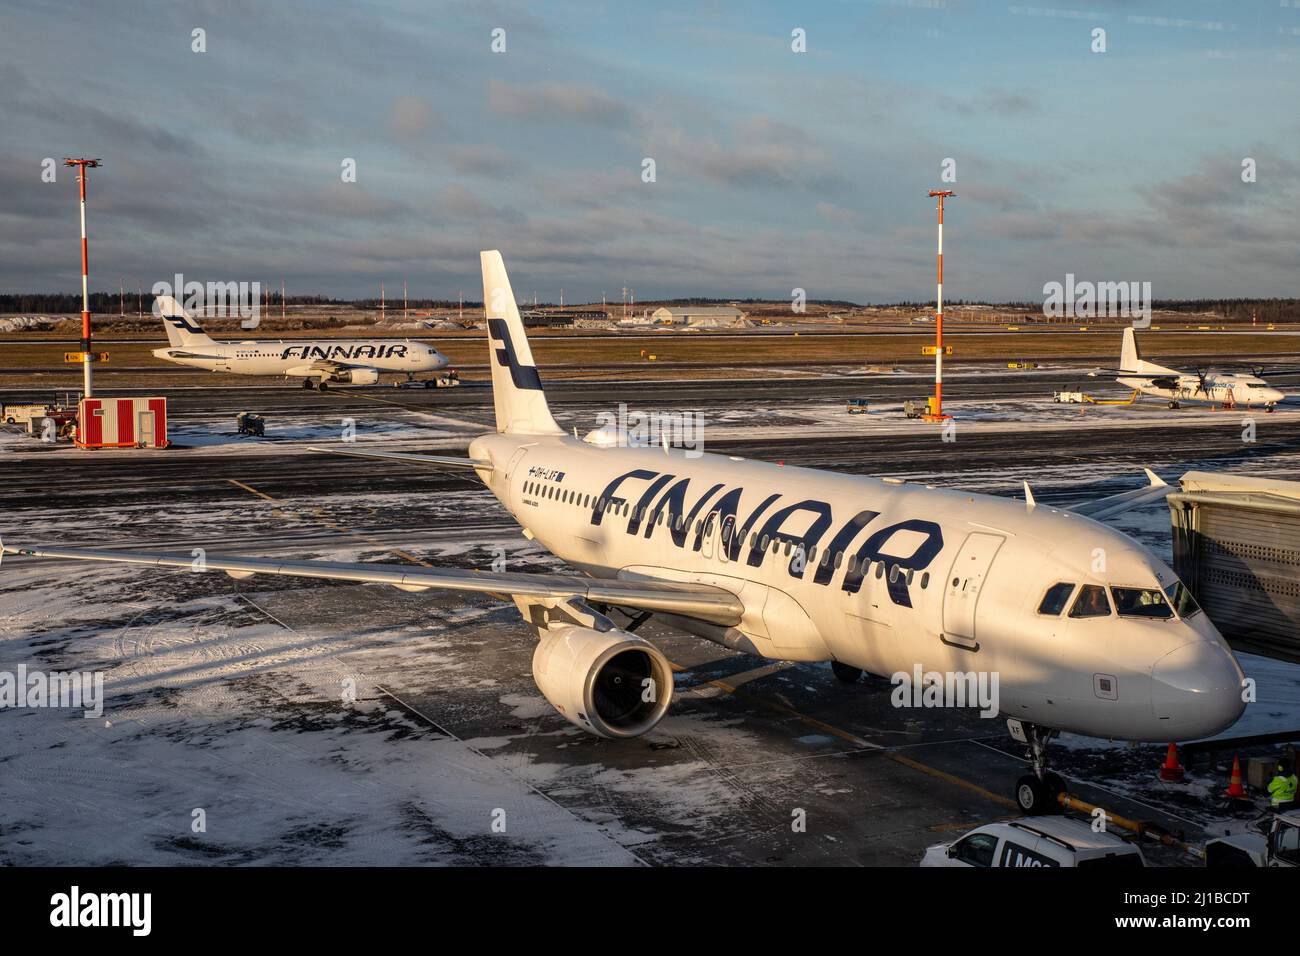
(1156, 480)
(1029, 497)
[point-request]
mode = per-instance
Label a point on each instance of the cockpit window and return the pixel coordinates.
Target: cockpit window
(1182, 599)
(1091, 602)
(1055, 598)
(1141, 602)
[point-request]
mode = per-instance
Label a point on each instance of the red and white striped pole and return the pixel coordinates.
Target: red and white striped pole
(82, 165)
(937, 411)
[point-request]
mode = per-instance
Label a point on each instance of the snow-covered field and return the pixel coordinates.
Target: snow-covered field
(313, 724)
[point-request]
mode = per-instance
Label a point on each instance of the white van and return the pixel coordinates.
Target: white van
(1035, 841)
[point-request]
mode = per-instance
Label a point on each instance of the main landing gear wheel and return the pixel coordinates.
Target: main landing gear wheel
(322, 386)
(850, 675)
(1174, 405)
(307, 383)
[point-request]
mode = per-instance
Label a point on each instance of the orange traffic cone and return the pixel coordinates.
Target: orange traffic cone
(1172, 770)
(1235, 790)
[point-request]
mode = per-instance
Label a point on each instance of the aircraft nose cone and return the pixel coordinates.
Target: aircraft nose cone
(1196, 691)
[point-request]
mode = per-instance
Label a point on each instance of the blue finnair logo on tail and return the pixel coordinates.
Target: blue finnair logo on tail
(183, 323)
(523, 376)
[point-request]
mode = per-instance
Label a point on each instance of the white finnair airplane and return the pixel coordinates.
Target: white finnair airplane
(1087, 630)
(1213, 386)
(345, 361)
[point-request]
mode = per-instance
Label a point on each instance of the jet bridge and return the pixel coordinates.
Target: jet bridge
(1236, 543)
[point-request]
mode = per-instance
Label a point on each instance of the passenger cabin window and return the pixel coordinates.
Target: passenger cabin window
(1091, 602)
(1054, 600)
(1141, 602)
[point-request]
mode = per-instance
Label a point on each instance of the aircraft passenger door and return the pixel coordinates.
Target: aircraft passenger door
(706, 539)
(966, 581)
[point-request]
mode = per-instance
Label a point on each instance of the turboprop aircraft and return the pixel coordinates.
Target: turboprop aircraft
(1087, 630)
(1214, 386)
(345, 361)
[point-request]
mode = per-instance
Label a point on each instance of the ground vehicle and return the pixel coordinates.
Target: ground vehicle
(1069, 397)
(914, 409)
(1036, 841)
(250, 423)
(1277, 844)
(856, 406)
(1022, 364)
(450, 380)
(19, 414)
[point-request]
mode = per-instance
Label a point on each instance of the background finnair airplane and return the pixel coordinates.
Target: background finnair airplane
(344, 361)
(1086, 629)
(1203, 385)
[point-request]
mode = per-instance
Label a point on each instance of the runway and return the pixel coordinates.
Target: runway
(231, 696)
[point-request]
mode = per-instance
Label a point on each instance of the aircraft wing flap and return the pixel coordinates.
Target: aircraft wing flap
(693, 600)
(1102, 508)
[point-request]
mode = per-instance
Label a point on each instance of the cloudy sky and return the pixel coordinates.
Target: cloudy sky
(773, 169)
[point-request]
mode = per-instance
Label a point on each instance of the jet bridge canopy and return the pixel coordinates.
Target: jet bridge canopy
(1236, 543)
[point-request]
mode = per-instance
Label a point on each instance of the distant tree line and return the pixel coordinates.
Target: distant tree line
(104, 303)
(107, 303)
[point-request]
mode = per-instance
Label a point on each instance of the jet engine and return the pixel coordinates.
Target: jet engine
(356, 376)
(609, 683)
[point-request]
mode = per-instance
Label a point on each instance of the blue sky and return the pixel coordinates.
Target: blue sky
(774, 169)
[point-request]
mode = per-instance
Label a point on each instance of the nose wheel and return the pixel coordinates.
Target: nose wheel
(1037, 791)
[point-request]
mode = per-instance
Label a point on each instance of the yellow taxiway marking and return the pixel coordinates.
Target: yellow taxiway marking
(724, 686)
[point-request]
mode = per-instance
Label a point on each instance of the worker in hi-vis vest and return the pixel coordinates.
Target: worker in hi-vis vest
(1281, 789)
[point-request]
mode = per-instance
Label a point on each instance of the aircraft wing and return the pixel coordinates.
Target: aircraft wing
(1155, 379)
(330, 366)
(437, 461)
(1111, 505)
(691, 600)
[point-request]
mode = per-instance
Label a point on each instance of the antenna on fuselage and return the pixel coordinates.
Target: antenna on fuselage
(1030, 503)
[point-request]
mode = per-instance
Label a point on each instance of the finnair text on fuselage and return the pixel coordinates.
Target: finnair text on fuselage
(350, 350)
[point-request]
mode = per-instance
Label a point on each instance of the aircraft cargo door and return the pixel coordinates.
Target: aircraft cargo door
(966, 581)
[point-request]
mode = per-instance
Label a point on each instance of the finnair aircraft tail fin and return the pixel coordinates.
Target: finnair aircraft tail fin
(181, 328)
(1131, 362)
(516, 388)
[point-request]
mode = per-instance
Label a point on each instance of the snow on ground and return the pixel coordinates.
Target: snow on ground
(280, 764)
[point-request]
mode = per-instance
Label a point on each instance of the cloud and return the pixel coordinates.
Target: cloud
(555, 102)
(488, 161)
(456, 201)
(411, 119)
(834, 213)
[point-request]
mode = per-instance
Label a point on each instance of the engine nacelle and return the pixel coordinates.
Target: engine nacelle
(609, 683)
(356, 376)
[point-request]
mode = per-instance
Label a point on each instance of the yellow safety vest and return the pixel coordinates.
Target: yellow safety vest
(1282, 789)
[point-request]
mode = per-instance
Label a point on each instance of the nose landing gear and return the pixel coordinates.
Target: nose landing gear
(1037, 791)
